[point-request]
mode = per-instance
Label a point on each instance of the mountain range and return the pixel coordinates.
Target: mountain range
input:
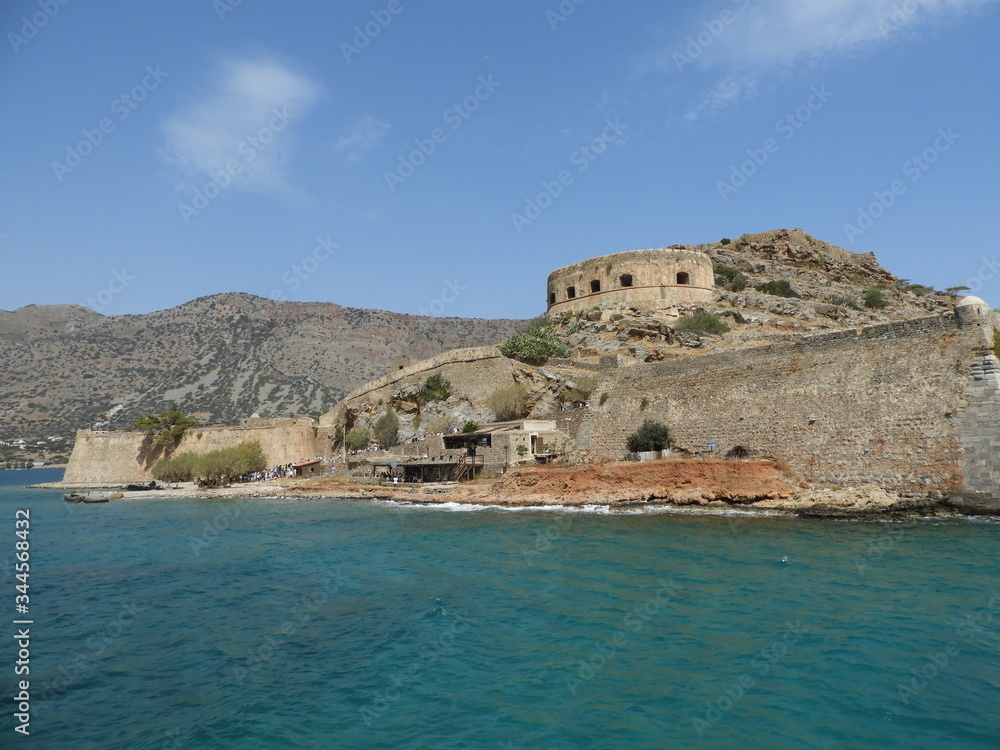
(222, 358)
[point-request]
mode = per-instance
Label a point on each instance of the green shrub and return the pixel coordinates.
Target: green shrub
(731, 279)
(701, 322)
(387, 430)
(337, 439)
(357, 438)
(435, 388)
(918, 289)
(224, 464)
(996, 344)
(874, 298)
(582, 389)
(538, 343)
(604, 398)
(537, 325)
(778, 288)
(652, 436)
(416, 422)
(643, 403)
(849, 302)
(165, 429)
(508, 403)
(470, 426)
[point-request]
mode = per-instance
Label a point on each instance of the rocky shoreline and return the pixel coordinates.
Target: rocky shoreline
(712, 486)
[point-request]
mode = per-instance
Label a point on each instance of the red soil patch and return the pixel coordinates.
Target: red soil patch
(678, 482)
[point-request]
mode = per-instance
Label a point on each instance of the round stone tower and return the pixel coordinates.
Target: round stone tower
(972, 311)
(643, 279)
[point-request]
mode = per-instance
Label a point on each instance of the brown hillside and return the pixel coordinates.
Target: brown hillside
(64, 367)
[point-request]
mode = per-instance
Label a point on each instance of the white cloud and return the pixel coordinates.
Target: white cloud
(772, 37)
(362, 136)
(247, 118)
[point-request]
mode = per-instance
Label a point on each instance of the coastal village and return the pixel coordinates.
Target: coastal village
(790, 373)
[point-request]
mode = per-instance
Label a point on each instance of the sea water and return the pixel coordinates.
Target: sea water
(278, 623)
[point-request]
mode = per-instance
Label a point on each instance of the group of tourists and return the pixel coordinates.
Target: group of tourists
(369, 449)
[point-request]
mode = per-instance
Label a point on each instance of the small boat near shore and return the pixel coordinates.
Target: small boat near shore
(76, 497)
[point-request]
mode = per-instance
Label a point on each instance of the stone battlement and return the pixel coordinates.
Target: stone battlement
(649, 279)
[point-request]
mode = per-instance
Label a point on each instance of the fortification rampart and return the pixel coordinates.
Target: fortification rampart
(912, 406)
(477, 371)
(648, 279)
(119, 457)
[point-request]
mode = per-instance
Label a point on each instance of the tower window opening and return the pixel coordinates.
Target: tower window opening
(571, 292)
(626, 279)
(595, 286)
(552, 298)
(683, 278)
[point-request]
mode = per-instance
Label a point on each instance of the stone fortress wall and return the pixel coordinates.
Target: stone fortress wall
(478, 371)
(645, 279)
(119, 457)
(911, 406)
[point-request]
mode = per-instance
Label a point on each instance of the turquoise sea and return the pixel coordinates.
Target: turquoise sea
(170, 624)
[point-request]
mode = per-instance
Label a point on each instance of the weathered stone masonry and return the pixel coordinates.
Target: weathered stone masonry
(912, 406)
(647, 279)
(117, 457)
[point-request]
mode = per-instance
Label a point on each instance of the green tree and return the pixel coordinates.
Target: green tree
(701, 322)
(874, 298)
(470, 426)
(224, 464)
(435, 388)
(337, 439)
(387, 430)
(508, 403)
(778, 288)
(538, 343)
(652, 436)
(731, 279)
(165, 429)
(357, 438)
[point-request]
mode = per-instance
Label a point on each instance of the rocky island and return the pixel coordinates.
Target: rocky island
(790, 373)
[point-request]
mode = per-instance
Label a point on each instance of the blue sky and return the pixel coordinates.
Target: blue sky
(445, 157)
